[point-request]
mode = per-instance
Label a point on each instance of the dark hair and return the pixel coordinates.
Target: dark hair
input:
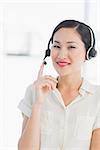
(86, 33)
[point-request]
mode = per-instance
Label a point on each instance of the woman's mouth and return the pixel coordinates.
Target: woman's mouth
(63, 63)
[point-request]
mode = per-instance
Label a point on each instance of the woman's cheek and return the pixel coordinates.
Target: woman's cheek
(54, 54)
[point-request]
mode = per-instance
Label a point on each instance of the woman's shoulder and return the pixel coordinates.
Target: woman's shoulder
(96, 87)
(95, 91)
(92, 86)
(30, 89)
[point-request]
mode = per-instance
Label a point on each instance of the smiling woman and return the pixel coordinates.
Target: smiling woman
(69, 53)
(68, 106)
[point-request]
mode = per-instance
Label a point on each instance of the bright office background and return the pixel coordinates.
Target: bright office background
(25, 28)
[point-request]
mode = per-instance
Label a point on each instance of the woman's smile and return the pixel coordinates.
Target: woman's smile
(63, 63)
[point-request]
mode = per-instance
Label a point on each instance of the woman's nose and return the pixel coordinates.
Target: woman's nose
(63, 53)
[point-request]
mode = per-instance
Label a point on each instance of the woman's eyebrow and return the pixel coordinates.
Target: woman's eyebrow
(71, 42)
(57, 42)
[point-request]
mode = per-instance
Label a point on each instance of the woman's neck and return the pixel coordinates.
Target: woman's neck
(70, 83)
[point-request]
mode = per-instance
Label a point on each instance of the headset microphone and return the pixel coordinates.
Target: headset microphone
(47, 53)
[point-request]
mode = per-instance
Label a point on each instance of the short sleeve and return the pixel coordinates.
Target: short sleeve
(25, 105)
(97, 121)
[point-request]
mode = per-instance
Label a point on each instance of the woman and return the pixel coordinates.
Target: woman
(63, 113)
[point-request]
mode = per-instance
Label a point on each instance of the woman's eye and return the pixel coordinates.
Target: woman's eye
(56, 46)
(71, 47)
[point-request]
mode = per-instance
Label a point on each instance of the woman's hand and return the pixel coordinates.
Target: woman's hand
(43, 85)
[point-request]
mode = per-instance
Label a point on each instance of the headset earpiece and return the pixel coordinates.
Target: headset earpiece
(88, 56)
(91, 52)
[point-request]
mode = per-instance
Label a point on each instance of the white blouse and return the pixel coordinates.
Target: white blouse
(66, 127)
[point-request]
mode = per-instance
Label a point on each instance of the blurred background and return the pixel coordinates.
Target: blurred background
(25, 28)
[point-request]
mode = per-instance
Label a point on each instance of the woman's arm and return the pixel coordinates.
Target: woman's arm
(95, 141)
(30, 138)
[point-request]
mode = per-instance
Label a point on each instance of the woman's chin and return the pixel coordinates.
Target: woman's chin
(63, 74)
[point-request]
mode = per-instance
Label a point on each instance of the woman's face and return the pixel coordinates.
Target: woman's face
(67, 51)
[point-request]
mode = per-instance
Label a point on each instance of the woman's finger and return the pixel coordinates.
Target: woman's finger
(40, 73)
(51, 78)
(50, 83)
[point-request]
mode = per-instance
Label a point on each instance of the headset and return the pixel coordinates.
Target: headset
(91, 52)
